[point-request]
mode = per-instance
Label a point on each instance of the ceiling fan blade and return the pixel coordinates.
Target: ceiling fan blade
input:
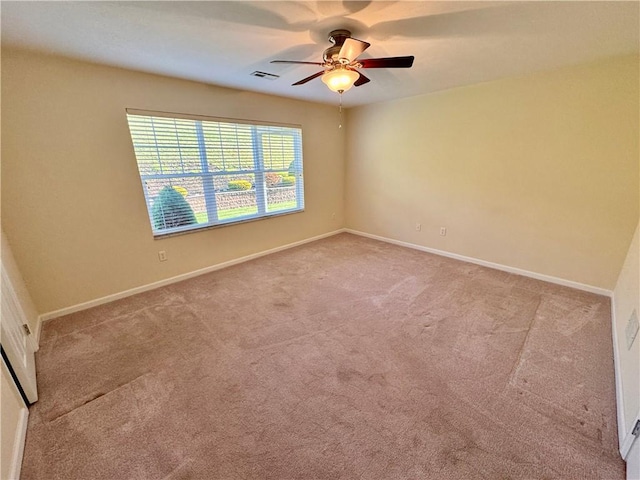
(294, 61)
(361, 80)
(311, 77)
(352, 48)
(389, 62)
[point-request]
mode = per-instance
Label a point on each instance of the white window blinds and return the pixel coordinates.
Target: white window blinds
(199, 172)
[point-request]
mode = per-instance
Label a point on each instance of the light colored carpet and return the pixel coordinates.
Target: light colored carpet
(341, 359)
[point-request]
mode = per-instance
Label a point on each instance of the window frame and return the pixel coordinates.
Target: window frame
(206, 175)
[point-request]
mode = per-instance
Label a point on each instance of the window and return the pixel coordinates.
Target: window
(199, 172)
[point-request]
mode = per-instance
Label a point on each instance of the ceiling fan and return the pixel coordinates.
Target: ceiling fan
(341, 62)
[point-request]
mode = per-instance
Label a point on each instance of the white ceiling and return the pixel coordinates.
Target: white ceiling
(454, 43)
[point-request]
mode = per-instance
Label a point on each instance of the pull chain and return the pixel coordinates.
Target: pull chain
(340, 122)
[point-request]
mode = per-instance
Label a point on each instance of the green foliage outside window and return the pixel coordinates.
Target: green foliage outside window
(171, 210)
(288, 180)
(239, 185)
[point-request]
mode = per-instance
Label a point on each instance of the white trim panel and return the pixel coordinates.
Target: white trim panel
(622, 424)
(178, 278)
(20, 434)
(18, 446)
(625, 445)
(484, 263)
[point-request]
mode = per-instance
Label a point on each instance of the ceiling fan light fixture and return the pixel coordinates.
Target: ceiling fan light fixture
(340, 79)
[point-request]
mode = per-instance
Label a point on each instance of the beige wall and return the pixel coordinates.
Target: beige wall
(72, 204)
(627, 299)
(538, 173)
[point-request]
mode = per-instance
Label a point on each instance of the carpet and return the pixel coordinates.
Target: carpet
(340, 359)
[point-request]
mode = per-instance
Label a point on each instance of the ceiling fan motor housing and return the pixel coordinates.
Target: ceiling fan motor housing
(330, 55)
(337, 37)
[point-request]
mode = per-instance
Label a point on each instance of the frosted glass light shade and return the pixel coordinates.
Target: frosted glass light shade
(340, 79)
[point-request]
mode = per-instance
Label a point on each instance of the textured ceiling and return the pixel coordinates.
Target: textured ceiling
(454, 43)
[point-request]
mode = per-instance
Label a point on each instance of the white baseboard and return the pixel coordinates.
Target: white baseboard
(161, 283)
(178, 278)
(484, 263)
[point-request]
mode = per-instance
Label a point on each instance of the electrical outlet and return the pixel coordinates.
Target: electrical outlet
(333, 215)
(443, 231)
(162, 255)
(631, 330)
(418, 227)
